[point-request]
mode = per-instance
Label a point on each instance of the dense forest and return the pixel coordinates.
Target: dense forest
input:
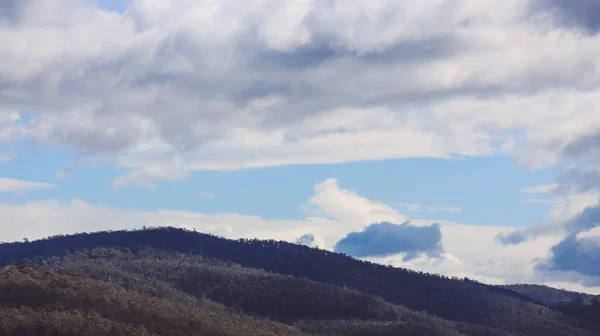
(169, 281)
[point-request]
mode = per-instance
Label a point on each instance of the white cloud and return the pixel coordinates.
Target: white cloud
(349, 208)
(444, 209)
(10, 129)
(9, 185)
(148, 176)
(411, 207)
(541, 189)
(415, 207)
(267, 83)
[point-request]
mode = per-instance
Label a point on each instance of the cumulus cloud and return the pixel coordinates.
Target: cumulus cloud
(585, 221)
(384, 239)
(266, 83)
(9, 185)
(575, 258)
(346, 206)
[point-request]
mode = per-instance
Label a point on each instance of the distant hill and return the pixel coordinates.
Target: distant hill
(581, 305)
(309, 290)
(549, 295)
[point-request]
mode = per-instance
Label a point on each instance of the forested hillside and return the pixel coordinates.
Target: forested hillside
(38, 302)
(300, 289)
(549, 295)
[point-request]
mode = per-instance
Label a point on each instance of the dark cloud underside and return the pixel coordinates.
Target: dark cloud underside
(385, 239)
(584, 14)
(576, 255)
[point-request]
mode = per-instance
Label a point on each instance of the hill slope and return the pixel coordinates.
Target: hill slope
(549, 295)
(249, 291)
(37, 302)
(464, 301)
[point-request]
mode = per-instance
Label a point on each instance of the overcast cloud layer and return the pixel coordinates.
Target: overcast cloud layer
(172, 87)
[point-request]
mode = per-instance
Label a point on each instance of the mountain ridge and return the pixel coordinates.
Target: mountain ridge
(461, 301)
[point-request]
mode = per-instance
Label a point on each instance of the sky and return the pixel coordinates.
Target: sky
(449, 136)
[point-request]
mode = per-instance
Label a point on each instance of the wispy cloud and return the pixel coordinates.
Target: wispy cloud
(65, 173)
(9, 185)
(415, 207)
(207, 195)
(5, 157)
(541, 189)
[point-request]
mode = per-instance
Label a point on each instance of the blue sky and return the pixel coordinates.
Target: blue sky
(277, 192)
(469, 129)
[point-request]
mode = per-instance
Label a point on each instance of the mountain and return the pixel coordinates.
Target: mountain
(272, 285)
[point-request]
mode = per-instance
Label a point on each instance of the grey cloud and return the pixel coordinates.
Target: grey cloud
(584, 145)
(580, 255)
(92, 134)
(10, 10)
(302, 58)
(513, 238)
(577, 180)
(522, 235)
(385, 239)
(572, 180)
(307, 239)
(588, 219)
(584, 14)
(323, 50)
(433, 48)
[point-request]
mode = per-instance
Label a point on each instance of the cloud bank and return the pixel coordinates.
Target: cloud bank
(167, 88)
